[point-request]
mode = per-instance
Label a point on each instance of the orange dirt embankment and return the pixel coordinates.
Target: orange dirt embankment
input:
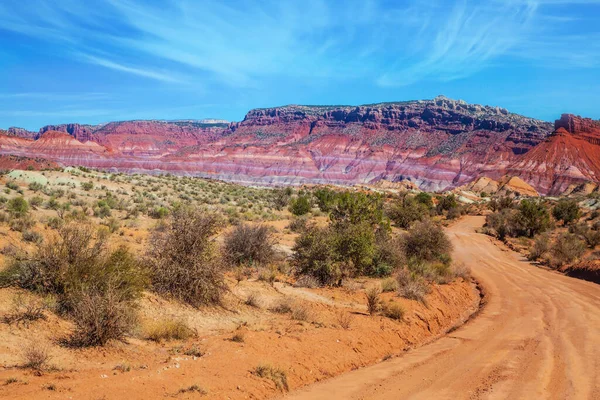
(308, 351)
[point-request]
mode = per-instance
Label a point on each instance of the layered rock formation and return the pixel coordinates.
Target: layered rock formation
(436, 144)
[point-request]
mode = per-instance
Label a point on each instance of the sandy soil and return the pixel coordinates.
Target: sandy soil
(307, 350)
(538, 337)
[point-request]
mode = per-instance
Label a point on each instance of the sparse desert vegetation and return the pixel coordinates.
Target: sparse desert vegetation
(145, 269)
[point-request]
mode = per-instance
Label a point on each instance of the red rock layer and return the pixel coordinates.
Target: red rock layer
(436, 144)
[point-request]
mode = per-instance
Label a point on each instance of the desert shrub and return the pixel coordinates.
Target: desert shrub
(35, 186)
(566, 249)
(76, 260)
(315, 254)
(355, 208)
(167, 329)
(301, 312)
(113, 224)
(406, 211)
(344, 319)
(36, 201)
(268, 274)
(445, 203)
(591, 237)
(541, 246)
(300, 205)
(12, 185)
(253, 300)
(533, 218)
(566, 210)
(281, 197)
(393, 311)
(501, 203)
(307, 281)
(183, 260)
(427, 241)
(414, 288)
(25, 310)
(18, 207)
(461, 270)
(87, 186)
(277, 375)
(325, 198)
(389, 255)
(35, 357)
(298, 225)
(501, 223)
(283, 306)
(425, 199)
(32, 236)
(454, 213)
(373, 300)
(158, 212)
(355, 247)
(194, 389)
(102, 314)
(389, 285)
(248, 244)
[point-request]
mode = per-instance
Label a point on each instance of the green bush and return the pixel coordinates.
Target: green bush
(18, 207)
(533, 218)
(315, 254)
(300, 205)
(406, 211)
(35, 186)
(325, 199)
(426, 241)
(566, 210)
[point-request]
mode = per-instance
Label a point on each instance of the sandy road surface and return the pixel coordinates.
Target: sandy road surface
(538, 337)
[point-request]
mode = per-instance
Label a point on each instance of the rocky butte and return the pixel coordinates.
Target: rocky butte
(436, 144)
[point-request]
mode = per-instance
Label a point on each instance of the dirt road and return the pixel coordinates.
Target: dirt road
(538, 337)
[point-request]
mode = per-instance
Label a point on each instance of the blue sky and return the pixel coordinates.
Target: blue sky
(102, 60)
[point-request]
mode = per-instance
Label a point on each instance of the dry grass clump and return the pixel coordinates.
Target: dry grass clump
(277, 375)
(123, 367)
(167, 329)
(373, 300)
(36, 357)
(283, 306)
(393, 311)
(460, 270)
(307, 281)
(301, 312)
(344, 319)
(194, 389)
(415, 289)
(183, 260)
(26, 310)
(238, 337)
(389, 285)
(253, 300)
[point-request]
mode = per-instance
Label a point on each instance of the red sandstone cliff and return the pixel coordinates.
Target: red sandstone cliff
(436, 144)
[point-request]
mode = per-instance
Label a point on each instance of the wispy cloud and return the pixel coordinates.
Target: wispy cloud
(241, 43)
(147, 73)
(55, 96)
